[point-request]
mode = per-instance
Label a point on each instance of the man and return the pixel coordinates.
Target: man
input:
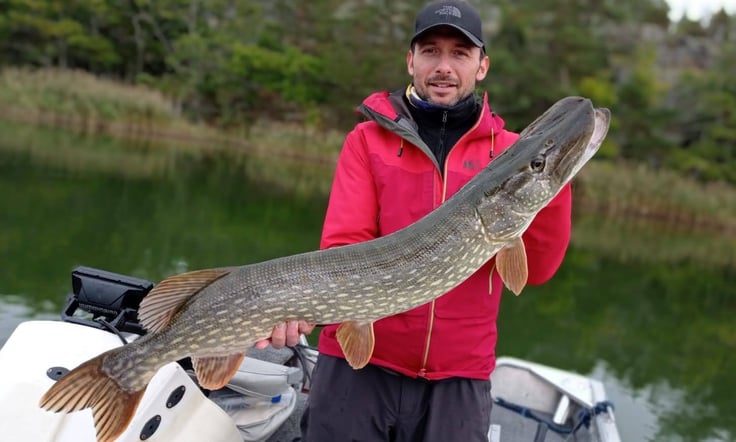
(428, 378)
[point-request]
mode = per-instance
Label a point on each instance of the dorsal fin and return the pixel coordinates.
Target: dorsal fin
(214, 372)
(162, 303)
(512, 266)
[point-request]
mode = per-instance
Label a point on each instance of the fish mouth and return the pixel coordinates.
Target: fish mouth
(577, 151)
(602, 119)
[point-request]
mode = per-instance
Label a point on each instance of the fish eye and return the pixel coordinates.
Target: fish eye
(537, 164)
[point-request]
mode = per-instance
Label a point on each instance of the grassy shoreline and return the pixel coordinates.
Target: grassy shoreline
(79, 102)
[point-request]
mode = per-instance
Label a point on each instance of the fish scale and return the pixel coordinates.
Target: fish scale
(214, 315)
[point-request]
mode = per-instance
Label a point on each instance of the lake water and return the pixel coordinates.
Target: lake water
(649, 310)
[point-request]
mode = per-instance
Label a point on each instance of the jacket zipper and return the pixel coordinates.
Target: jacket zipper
(423, 370)
(443, 129)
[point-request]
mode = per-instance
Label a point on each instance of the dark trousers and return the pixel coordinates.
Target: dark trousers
(374, 404)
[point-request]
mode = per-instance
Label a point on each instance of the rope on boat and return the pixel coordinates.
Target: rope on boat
(583, 416)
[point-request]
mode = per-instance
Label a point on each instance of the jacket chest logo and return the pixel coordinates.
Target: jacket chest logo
(471, 165)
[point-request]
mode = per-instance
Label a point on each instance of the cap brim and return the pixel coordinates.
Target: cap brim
(473, 39)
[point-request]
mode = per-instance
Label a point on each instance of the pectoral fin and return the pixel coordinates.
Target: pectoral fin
(214, 372)
(512, 266)
(356, 340)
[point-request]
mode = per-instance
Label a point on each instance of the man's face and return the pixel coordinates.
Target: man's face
(445, 66)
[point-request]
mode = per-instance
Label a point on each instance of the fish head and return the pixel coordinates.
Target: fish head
(572, 130)
(547, 155)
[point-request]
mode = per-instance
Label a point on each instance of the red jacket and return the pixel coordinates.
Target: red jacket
(387, 178)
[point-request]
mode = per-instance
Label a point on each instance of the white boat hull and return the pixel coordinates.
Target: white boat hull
(37, 346)
(37, 349)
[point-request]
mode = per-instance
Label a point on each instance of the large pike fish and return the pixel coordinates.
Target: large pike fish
(214, 315)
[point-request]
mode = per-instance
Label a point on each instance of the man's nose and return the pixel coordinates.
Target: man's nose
(444, 65)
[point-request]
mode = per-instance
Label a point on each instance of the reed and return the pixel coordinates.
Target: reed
(656, 196)
(79, 101)
(79, 94)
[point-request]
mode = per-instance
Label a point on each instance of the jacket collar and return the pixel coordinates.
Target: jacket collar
(389, 109)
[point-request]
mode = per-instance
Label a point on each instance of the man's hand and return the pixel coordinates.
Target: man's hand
(286, 333)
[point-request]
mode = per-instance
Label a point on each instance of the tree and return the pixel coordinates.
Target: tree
(55, 33)
(708, 146)
(540, 55)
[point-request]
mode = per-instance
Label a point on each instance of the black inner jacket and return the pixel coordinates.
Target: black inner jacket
(441, 127)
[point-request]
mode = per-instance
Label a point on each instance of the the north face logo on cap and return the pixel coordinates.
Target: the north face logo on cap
(449, 10)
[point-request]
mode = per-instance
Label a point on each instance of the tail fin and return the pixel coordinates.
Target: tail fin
(87, 386)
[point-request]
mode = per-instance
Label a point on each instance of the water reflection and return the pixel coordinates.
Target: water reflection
(646, 308)
(635, 414)
(663, 325)
(195, 212)
(15, 309)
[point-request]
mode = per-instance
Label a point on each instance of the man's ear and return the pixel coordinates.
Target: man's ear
(410, 62)
(485, 64)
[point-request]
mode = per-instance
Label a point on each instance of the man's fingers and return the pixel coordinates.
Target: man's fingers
(285, 333)
(306, 327)
(292, 333)
(261, 344)
(278, 336)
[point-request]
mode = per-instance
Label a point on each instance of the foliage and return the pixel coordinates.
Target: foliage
(231, 63)
(708, 149)
(537, 58)
(641, 134)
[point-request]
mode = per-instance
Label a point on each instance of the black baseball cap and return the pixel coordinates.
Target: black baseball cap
(455, 13)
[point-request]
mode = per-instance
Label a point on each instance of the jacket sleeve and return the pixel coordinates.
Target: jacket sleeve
(548, 236)
(352, 210)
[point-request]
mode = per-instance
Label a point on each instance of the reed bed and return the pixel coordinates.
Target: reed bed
(635, 191)
(301, 158)
(82, 102)
(79, 94)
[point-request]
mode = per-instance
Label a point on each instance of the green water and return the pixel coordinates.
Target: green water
(647, 309)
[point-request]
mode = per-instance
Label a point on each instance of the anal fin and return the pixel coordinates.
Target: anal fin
(214, 372)
(357, 341)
